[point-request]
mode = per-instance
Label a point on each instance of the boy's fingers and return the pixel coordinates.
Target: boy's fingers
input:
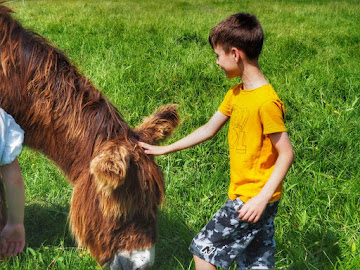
(3, 247)
(18, 249)
(245, 216)
(10, 249)
(22, 246)
(142, 144)
(146, 147)
(253, 218)
(243, 211)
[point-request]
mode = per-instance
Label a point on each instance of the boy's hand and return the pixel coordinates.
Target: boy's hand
(253, 209)
(12, 239)
(153, 149)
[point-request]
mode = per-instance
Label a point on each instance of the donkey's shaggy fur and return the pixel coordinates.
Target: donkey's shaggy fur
(117, 187)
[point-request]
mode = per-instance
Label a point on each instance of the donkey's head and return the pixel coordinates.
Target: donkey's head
(127, 187)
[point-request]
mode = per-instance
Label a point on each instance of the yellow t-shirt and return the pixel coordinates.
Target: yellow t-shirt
(254, 114)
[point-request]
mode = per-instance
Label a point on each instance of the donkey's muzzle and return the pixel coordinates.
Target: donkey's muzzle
(133, 260)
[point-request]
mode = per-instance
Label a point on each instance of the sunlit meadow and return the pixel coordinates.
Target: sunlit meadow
(142, 54)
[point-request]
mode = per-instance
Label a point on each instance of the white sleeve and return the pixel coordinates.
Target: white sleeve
(11, 138)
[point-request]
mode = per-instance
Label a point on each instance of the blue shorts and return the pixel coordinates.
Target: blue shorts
(226, 239)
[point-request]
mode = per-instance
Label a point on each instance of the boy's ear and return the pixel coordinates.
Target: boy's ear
(237, 54)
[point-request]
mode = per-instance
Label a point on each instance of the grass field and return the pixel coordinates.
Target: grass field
(142, 54)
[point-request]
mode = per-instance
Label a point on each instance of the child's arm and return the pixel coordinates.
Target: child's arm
(253, 209)
(13, 234)
(200, 135)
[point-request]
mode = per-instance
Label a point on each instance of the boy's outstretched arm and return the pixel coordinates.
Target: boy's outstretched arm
(13, 235)
(253, 208)
(200, 135)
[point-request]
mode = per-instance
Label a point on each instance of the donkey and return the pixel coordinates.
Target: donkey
(117, 187)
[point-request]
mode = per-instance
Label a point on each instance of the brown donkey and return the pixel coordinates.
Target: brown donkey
(117, 187)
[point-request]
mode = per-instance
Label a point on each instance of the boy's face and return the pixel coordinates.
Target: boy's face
(227, 61)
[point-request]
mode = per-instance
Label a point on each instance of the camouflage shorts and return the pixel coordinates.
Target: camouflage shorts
(226, 239)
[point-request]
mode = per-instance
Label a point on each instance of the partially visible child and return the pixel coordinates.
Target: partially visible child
(260, 154)
(12, 237)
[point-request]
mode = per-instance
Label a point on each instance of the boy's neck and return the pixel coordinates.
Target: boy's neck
(252, 77)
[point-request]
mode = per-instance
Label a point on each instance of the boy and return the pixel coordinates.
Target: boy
(12, 236)
(260, 154)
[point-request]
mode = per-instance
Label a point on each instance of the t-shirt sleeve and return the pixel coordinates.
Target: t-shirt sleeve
(225, 106)
(272, 115)
(11, 138)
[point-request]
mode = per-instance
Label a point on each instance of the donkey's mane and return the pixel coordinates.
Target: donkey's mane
(47, 68)
(33, 65)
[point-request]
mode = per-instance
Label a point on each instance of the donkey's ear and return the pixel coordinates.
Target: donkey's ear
(109, 167)
(159, 125)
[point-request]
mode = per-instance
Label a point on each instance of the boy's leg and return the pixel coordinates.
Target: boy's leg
(260, 253)
(200, 264)
(224, 237)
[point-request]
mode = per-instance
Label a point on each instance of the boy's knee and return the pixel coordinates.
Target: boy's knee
(201, 264)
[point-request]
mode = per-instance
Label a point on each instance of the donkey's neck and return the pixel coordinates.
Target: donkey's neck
(70, 136)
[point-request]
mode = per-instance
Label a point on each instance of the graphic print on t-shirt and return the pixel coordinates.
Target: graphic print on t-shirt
(238, 119)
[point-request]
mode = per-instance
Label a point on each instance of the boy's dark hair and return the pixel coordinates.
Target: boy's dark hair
(242, 31)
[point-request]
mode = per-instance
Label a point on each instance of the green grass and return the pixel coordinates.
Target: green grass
(142, 54)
